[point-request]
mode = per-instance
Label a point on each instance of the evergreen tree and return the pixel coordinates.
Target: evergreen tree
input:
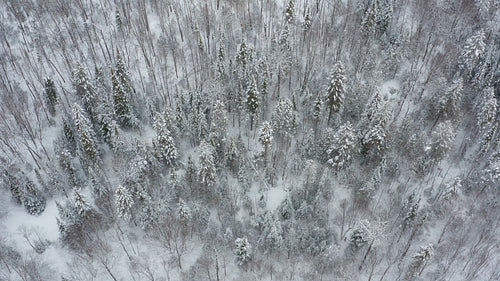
(448, 105)
(207, 171)
(34, 202)
(473, 51)
(124, 202)
(375, 119)
(164, 143)
(344, 145)
(243, 251)
(357, 239)
(219, 121)
(318, 104)
(122, 90)
(307, 22)
(442, 140)
(118, 20)
(336, 90)
(86, 135)
(410, 210)
(290, 12)
(252, 101)
(284, 119)
(85, 90)
(184, 212)
(69, 136)
(285, 209)
(120, 103)
(242, 57)
(221, 69)
(51, 99)
(384, 15)
(369, 22)
(266, 137)
(80, 204)
(274, 235)
(487, 110)
(423, 255)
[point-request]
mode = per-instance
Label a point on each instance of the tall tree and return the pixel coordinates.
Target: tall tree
(207, 171)
(448, 104)
(121, 92)
(243, 251)
(473, 51)
(252, 101)
(86, 135)
(124, 202)
(85, 91)
(336, 90)
(164, 143)
(51, 99)
(344, 145)
(290, 12)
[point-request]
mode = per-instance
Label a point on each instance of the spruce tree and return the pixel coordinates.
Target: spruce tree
(441, 141)
(219, 120)
(221, 69)
(473, 51)
(164, 143)
(85, 90)
(242, 57)
(121, 91)
(448, 104)
(252, 101)
(207, 171)
(344, 145)
(487, 110)
(243, 251)
(290, 12)
(369, 22)
(124, 201)
(51, 99)
(284, 119)
(336, 90)
(86, 136)
(307, 22)
(374, 122)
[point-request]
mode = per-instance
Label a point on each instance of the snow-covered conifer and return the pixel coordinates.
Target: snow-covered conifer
(266, 136)
(164, 143)
(369, 22)
(344, 145)
(335, 91)
(448, 104)
(81, 205)
(284, 119)
(85, 90)
(51, 99)
(487, 109)
(473, 50)
(441, 141)
(307, 22)
(183, 211)
(242, 57)
(207, 171)
(86, 135)
(243, 251)
(290, 12)
(252, 101)
(219, 120)
(124, 202)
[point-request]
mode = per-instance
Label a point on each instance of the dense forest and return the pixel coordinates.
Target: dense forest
(249, 140)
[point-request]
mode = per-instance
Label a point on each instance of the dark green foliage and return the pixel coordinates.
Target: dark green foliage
(51, 99)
